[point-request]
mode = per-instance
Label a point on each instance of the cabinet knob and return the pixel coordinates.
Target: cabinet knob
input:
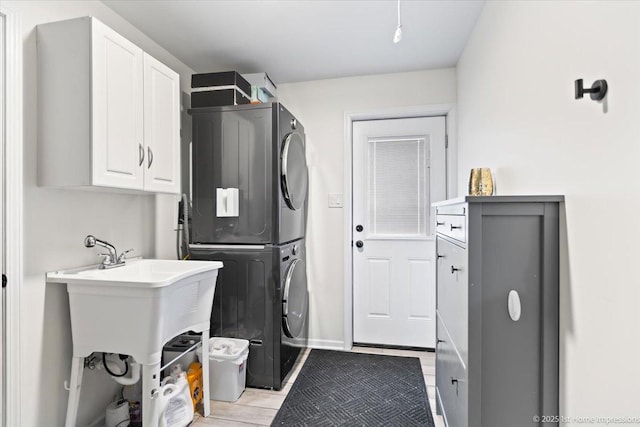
(359, 228)
(359, 243)
(453, 269)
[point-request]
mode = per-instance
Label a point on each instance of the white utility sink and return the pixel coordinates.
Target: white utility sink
(136, 309)
(137, 273)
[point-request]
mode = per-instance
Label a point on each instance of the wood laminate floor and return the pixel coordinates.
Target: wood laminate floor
(259, 407)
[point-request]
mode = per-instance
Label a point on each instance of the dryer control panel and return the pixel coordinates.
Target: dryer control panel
(290, 251)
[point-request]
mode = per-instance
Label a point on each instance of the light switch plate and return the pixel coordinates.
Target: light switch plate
(335, 200)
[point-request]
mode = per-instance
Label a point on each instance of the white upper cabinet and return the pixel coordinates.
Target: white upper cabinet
(108, 112)
(161, 127)
(117, 106)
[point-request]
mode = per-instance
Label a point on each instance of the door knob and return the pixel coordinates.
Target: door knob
(359, 228)
(359, 243)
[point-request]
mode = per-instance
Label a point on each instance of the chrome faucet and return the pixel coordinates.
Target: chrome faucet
(111, 259)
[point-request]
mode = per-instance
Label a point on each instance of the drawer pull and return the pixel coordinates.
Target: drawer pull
(439, 256)
(456, 381)
(453, 227)
(440, 341)
(453, 269)
(438, 224)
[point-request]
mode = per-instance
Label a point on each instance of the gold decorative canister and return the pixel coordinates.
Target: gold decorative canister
(481, 182)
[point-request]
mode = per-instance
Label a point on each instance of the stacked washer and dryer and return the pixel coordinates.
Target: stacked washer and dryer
(249, 211)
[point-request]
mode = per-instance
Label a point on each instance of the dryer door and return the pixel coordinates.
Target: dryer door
(295, 299)
(294, 176)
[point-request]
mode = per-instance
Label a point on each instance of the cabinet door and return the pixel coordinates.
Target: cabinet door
(511, 359)
(116, 103)
(161, 127)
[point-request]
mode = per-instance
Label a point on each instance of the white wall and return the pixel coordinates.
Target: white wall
(517, 115)
(321, 106)
(56, 222)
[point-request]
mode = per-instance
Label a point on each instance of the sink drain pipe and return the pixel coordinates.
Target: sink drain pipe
(123, 379)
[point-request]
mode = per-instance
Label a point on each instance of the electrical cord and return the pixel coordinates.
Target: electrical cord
(104, 362)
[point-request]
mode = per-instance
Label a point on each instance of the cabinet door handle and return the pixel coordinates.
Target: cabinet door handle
(453, 269)
(439, 256)
(453, 227)
(438, 224)
(440, 341)
(141, 154)
(149, 156)
(514, 305)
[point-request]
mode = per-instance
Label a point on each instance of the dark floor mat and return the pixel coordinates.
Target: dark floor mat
(336, 388)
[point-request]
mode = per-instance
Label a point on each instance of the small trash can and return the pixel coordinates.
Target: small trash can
(227, 368)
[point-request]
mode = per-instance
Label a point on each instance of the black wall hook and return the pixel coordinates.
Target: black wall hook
(598, 90)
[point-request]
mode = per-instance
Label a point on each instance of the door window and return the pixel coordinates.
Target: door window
(398, 187)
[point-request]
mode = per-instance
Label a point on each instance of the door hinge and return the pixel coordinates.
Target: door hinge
(446, 141)
(4, 281)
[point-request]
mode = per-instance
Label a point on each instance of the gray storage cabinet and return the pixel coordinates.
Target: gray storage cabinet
(497, 366)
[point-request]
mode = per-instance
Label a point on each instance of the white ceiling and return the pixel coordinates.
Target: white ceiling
(305, 40)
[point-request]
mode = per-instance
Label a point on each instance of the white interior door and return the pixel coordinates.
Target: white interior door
(399, 169)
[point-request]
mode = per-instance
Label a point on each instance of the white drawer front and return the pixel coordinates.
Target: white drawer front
(452, 292)
(451, 380)
(454, 226)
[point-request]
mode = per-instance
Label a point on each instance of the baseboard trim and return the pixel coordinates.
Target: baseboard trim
(326, 344)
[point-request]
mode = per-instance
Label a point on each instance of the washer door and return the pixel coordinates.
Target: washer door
(295, 299)
(294, 175)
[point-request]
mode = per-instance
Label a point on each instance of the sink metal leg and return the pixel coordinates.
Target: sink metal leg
(206, 402)
(150, 390)
(77, 368)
